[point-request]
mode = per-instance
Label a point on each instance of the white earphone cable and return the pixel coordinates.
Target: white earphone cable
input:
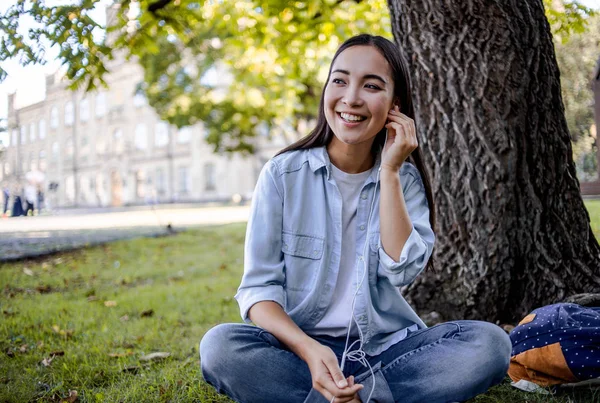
(359, 355)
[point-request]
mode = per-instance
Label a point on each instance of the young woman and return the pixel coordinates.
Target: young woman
(339, 221)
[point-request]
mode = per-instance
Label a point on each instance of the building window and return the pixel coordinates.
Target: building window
(84, 110)
(139, 100)
(42, 129)
(14, 138)
(69, 115)
(161, 135)
(118, 142)
(55, 150)
(140, 182)
(54, 117)
(184, 185)
(141, 137)
(100, 104)
(184, 135)
(161, 187)
(23, 134)
(32, 132)
(210, 177)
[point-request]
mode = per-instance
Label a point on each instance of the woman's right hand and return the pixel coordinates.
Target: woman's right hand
(327, 377)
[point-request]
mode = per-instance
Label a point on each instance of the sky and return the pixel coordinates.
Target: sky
(29, 81)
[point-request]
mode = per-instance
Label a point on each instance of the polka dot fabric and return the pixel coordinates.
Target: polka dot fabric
(574, 327)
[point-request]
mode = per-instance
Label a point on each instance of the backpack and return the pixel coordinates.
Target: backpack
(556, 344)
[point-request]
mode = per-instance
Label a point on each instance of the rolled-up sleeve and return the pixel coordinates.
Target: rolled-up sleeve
(264, 274)
(419, 245)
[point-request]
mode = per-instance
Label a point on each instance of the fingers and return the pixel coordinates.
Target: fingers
(336, 373)
(347, 395)
(334, 384)
(328, 378)
(402, 125)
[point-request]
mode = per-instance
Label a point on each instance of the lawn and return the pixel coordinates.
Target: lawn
(88, 321)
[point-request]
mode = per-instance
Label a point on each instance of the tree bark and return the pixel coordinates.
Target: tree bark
(513, 233)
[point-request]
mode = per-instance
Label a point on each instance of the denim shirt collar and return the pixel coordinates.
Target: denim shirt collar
(319, 158)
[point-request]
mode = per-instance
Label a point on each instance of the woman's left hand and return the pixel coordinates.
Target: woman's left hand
(401, 140)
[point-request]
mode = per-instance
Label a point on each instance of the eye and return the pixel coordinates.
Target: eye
(373, 86)
(337, 81)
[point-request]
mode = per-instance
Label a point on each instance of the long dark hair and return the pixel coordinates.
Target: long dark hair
(322, 133)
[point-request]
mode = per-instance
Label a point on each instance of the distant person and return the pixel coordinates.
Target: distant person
(30, 196)
(40, 199)
(17, 210)
(340, 220)
(6, 196)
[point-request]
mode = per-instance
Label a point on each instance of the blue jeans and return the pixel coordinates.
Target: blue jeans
(453, 361)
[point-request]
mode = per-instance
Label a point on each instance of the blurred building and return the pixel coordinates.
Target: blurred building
(109, 148)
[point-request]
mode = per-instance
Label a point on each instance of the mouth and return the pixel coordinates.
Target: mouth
(351, 118)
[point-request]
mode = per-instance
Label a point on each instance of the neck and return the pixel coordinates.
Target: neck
(350, 158)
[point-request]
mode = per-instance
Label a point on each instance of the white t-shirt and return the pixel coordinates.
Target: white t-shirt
(337, 317)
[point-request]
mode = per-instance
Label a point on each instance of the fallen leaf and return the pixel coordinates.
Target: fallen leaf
(71, 398)
(147, 313)
(9, 352)
(92, 298)
(124, 318)
(27, 271)
(23, 348)
(47, 361)
(155, 356)
(110, 303)
(57, 353)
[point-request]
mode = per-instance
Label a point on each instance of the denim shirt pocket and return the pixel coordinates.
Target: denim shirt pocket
(302, 256)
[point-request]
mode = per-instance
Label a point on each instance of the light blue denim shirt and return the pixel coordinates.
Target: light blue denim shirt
(293, 246)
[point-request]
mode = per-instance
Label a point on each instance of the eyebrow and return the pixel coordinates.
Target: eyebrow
(373, 76)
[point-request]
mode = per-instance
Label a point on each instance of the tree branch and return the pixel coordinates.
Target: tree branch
(160, 4)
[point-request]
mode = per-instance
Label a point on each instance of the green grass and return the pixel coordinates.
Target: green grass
(128, 299)
(593, 208)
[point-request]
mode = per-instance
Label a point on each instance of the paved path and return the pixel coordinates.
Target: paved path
(23, 237)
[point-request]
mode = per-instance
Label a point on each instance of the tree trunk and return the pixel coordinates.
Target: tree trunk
(513, 233)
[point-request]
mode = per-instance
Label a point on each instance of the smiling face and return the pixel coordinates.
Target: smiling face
(359, 95)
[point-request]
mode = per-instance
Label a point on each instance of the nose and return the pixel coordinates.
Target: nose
(352, 96)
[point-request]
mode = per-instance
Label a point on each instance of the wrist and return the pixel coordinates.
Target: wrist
(387, 169)
(303, 347)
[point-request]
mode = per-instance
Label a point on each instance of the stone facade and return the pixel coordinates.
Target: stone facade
(109, 148)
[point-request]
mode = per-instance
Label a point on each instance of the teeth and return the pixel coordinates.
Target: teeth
(351, 118)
